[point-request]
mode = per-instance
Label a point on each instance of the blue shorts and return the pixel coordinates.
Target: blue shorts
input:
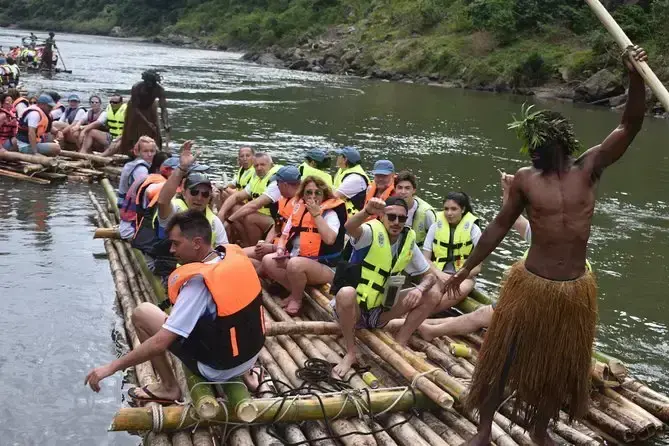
(7, 144)
(42, 147)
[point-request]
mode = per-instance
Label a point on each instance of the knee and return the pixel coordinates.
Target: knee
(140, 313)
(346, 297)
(433, 296)
(267, 262)
(297, 265)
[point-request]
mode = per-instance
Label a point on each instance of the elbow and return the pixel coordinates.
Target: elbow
(330, 238)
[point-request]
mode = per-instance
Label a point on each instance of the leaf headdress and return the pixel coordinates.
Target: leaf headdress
(536, 128)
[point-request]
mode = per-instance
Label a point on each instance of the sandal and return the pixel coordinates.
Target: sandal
(138, 399)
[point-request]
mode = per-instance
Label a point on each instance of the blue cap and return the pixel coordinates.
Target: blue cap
(350, 153)
(383, 167)
(3, 61)
(287, 174)
(73, 97)
(317, 155)
(173, 162)
(46, 99)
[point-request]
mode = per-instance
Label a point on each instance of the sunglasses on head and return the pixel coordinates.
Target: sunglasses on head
(400, 218)
(195, 192)
(314, 192)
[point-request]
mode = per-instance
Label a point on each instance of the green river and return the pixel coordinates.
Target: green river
(57, 300)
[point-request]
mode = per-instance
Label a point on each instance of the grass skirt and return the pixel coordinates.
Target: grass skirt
(541, 338)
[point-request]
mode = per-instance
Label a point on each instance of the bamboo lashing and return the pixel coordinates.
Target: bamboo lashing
(624, 42)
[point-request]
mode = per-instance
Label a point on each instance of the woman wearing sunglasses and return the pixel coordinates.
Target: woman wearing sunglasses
(311, 242)
(449, 241)
(73, 133)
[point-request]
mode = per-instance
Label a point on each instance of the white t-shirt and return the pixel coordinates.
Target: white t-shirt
(56, 113)
(20, 109)
(80, 116)
(33, 120)
(330, 218)
(220, 236)
(474, 233)
(429, 216)
(352, 185)
(528, 234)
(417, 266)
(102, 119)
(195, 302)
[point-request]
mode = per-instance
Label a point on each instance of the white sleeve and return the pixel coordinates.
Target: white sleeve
(189, 307)
(20, 109)
(221, 237)
(418, 264)
(102, 119)
(332, 220)
(272, 191)
(80, 116)
(429, 238)
(33, 120)
(63, 118)
(528, 234)
(163, 222)
(475, 234)
(365, 239)
(352, 185)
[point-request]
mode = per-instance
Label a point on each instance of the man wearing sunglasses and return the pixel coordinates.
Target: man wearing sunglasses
(104, 134)
(368, 290)
(196, 195)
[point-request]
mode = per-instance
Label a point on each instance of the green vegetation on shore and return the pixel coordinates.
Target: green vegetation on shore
(518, 43)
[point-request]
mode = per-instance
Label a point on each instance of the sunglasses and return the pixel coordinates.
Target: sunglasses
(114, 102)
(313, 192)
(400, 218)
(195, 192)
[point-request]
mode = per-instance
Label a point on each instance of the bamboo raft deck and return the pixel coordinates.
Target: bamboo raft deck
(426, 376)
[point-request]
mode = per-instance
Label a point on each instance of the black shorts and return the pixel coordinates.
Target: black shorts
(178, 349)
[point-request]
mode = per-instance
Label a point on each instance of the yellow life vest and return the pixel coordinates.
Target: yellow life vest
(357, 202)
(258, 186)
(116, 121)
(378, 264)
(457, 250)
(307, 171)
(419, 220)
(181, 204)
(243, 177)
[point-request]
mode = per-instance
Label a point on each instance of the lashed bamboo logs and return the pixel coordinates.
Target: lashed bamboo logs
(643, 390)
(107, 233)
(23, 177)
(657, 408)
(240, 399)
(103, 160)
(111, 195)
(26, 158)
(241, 437)
(299, 408)
(303, 327)
(204, 401)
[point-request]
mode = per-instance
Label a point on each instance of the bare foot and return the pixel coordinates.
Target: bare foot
(402, 338)
(253, 378)
(427, 332)
(480, 439)
(394, 325)
(344, 365)
(293, 307)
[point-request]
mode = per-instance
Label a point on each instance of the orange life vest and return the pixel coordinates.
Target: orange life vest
(281, 212)
(20, 100)
(43, 126)
(311, 243)
(238, 332)
(371, 193)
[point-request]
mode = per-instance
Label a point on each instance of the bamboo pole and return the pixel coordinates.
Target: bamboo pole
(623, 42)
(281, 381)
(202, 437)
(449, 435)
(303, 327)
(657, 408)
(574, 436)
(31, 168)
(616, 366)
(284, 360)
(241, 437)
(240, 399)
(157, 439)
(439, 356)
(302, 408)
(610, 425)
(404, 433)
(315, 430)
(261, 437)
(643, 390)
(79, 179)
(634, 408)
(465, 428)
(479, 296)
(427, 433)
(381, 436)
(645, 425)
(112, 171)
(22, 177)
(153, 281)
(204, 401)
(26, 158)
(86, 156)
(294, 435)
(111, 195)
(20, 168)
(182, 439)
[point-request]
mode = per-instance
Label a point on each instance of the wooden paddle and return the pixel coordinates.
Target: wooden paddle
(624, 42)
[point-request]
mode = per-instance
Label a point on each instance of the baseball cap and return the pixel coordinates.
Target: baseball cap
(287, 174)
(317, 155)
(195, 179)
(73, 97)
(173, 162)
(46, 99)
(383, 167)
(350, 154)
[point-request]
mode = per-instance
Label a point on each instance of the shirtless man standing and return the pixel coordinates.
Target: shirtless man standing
(540, 339)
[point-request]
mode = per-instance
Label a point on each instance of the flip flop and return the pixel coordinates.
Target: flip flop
(132, 393)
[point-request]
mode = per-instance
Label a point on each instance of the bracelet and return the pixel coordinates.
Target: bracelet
(183, 170)
(316, 216)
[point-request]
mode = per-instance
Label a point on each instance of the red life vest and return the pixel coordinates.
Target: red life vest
(311, 243)
(10, 125)
(238, 332)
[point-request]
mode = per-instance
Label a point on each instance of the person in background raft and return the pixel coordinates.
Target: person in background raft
(242, 177)
(9, 124)
(311, 243)
(216, 326)
(316, 164)
(368, 289)
(383, 185)
(104, 134)
(47, 54)
(141, 118)
(34, 125)
(73, 133)
(421, 214)
(350, 181)
(74, 112)
(539, 343)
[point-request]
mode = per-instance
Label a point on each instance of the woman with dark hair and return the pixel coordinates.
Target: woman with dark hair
(9, 124)
(449, 241)
(311, 242)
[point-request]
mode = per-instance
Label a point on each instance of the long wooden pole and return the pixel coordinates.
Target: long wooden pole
(22, 177)
(86, 156)
(623, 41)
(27, 158)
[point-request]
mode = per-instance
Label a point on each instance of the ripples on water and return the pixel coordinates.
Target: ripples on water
(58, 300)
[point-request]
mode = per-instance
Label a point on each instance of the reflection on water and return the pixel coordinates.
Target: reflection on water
(57, 299)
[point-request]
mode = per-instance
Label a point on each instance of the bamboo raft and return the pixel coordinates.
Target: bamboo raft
(68, 166)
(414, 392)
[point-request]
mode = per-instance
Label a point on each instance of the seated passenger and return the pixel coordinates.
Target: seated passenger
(9, 124)
(311, 243)
(316, 164)
(383, 185)
(73, 133)
(449, 242)
(74, 112)
(112, 121)
(350, 181)
(34, 125)
(421, 214)
(215, 327)
(253, 219)
(242, 176)
(144, 151)
(367, 290)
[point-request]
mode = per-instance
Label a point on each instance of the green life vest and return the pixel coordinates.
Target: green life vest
(116, 121)
(378, 265)
(419, 224)
(307, 171)
(445, 250)
(243, 177)
(258, 186)
(356, 202)
(181, 204)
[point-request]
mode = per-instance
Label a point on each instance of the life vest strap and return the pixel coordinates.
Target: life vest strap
(376, 269)
(375, 286)
(453, 245)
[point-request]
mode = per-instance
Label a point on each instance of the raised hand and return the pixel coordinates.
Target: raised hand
(375, 206)
(187, 158)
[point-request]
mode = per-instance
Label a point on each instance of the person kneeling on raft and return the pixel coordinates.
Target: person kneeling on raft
(311, 242)
(216, 324)
(368, 288)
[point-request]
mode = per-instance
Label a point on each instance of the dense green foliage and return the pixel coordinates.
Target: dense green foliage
(520, 42)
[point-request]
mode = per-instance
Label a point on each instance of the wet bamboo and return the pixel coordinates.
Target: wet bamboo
(641, 427)
(281, 381)
(202, 437)
(628, 405)
(157, 439)
(616, 366)
(465, 428)
(303, 327)
(657, 408)
(439, 356)
(315, 430)
(129, 271)
(91, 172)
(240, 400)
(20, 168)
(344, 429)
(449, 435)
(425, 431)
(182, 438)
(643, 390)
(73, 165)
(86, 156)
(612, 426)
(284, 360)
(241, 437)
(581, 427)
(23, 177)
(574, 436)
(111, 195)
(32, 168)
(27, 158)
(112, 171)
(294, 435)
(357, 425)
(381, 436)
(517, 433)
(274, 308)
(107, 233)
(202, 395)
(73, 178)
(261, 437)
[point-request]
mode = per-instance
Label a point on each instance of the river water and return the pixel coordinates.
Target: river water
(57, 300)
